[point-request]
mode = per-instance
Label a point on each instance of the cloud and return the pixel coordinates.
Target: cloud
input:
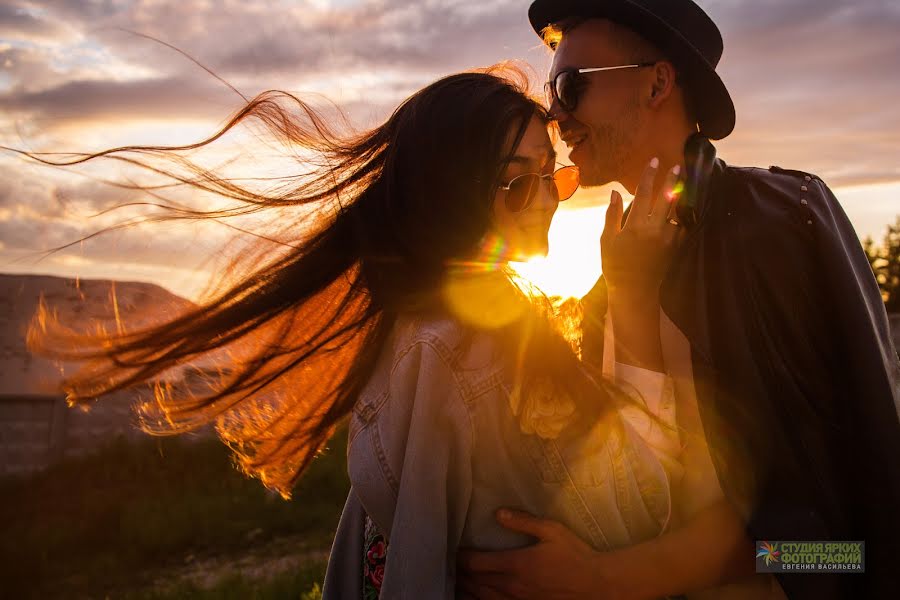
(90, 100)
(813, 82)
(26, 22)
(391, 48)
(806, 75)
(809, 79)
(41, 209)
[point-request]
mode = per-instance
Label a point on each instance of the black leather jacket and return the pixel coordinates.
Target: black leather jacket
(798, 381)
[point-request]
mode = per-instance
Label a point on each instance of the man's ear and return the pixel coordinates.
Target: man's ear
(663, 83)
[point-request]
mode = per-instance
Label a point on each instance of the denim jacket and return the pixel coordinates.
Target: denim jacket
(437, 443)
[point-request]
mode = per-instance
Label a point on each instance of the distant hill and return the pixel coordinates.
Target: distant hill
(76, 300)
(36, 425)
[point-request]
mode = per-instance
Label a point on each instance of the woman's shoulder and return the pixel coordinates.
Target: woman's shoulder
(470, 354)
(414, 328)
(461, 346)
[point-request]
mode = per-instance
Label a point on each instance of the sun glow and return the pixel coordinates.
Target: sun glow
(572, 266)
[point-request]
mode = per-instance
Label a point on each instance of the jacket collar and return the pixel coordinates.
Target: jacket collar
(701, 167)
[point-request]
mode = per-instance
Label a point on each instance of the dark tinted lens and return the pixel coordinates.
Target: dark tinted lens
(548, 92)
(521, 191)
(567, 89)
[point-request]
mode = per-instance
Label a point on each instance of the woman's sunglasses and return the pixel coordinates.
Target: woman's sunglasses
(521, 190)
(567, 86)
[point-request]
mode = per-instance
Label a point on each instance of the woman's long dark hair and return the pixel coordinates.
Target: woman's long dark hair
(298, 335)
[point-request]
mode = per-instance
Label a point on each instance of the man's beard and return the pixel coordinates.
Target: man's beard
(611, 148)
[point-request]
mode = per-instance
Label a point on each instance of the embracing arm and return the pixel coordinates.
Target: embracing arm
(709, 550)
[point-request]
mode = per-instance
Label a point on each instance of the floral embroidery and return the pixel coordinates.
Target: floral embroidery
(543, 410)
(375, 556)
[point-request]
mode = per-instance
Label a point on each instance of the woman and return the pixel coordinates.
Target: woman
(450, 426)
(399, 313)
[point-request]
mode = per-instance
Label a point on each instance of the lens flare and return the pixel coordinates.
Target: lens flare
(483, 298)
(675, 192)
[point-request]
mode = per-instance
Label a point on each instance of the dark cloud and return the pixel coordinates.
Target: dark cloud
(18, 20)
(37, 215)
(91, 100)
(252, 40)
(766, 16)
(27, 69)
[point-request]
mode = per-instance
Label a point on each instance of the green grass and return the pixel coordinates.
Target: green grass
(300, 585)
(95, 524)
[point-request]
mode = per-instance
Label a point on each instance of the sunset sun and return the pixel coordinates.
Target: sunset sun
(573, 264)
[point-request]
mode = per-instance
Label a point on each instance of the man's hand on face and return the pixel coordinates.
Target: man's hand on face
(559, 566)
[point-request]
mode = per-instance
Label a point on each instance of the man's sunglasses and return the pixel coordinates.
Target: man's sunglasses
(521, 190)
(567, 85)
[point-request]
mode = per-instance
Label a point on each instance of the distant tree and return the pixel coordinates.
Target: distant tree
(885, 262)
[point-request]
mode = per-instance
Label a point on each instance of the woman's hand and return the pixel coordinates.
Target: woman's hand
(635, 256)
(635, 259)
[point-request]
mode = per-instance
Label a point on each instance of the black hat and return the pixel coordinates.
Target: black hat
(682, 32)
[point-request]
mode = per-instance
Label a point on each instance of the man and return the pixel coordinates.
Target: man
(771, 325)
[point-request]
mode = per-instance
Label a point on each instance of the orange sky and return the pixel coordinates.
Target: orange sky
(814, 83)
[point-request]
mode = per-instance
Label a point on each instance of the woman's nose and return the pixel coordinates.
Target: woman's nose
(547, 197)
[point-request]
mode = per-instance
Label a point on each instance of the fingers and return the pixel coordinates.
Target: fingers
(643, 196)
(523, 522)
(613, 224)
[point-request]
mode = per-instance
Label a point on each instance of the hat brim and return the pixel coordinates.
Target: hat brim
(710, 97)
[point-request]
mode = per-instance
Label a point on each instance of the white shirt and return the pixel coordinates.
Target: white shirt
(695, 485)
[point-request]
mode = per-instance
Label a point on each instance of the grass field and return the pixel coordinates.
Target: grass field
(167, 518)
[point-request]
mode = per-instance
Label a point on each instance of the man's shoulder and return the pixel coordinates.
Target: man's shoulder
(776, 196)
(776, 180)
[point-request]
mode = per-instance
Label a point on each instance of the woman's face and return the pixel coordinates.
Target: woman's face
(525, 232)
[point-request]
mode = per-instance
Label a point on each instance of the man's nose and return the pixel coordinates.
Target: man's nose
(556, 111)
(563, 118)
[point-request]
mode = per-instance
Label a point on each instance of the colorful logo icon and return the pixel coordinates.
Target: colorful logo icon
(769, 552)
